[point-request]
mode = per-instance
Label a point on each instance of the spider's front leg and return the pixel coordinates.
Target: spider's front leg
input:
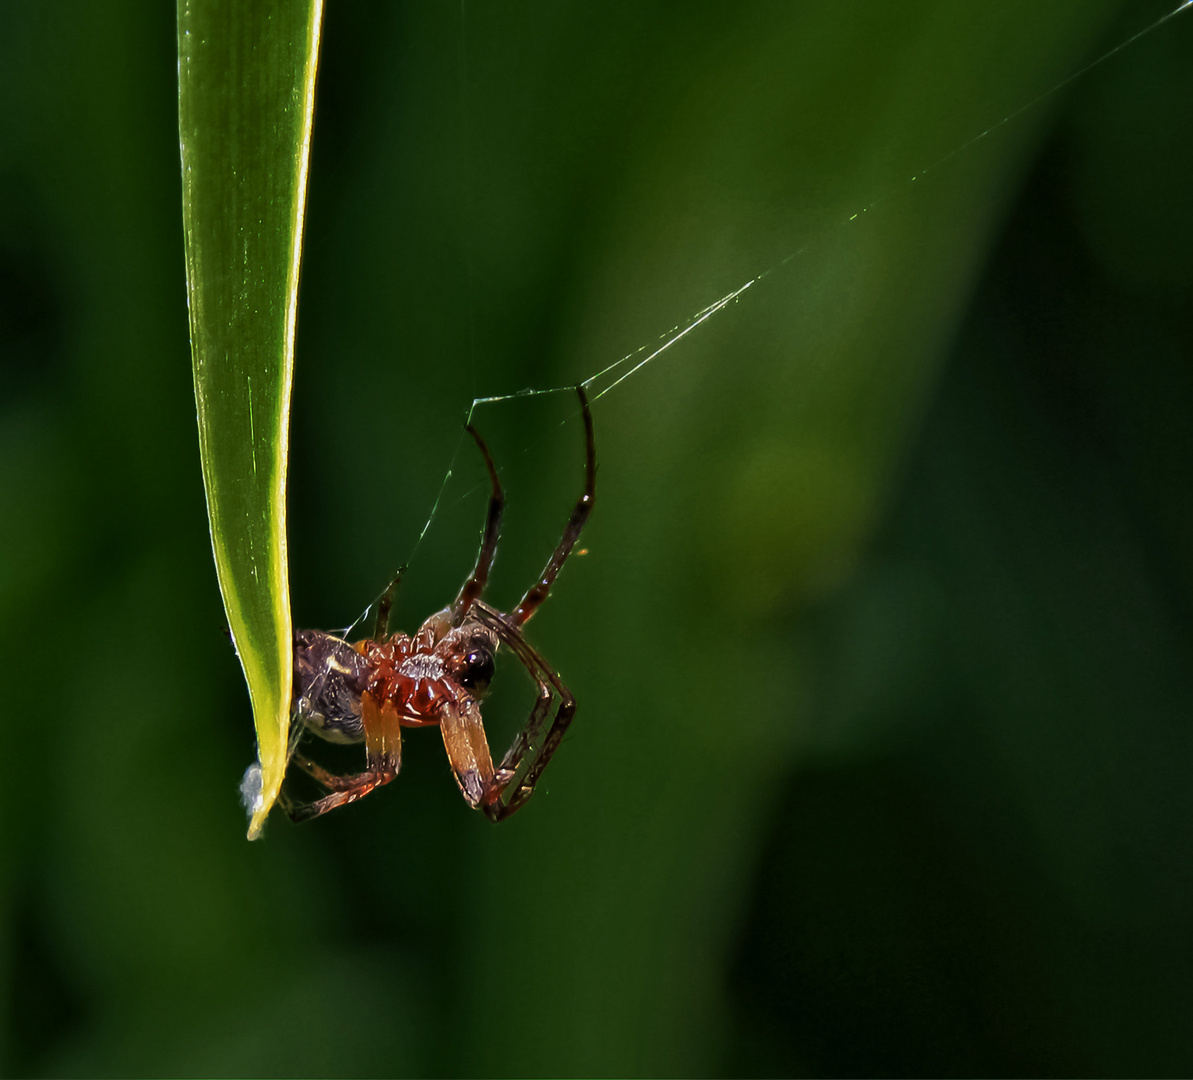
(512, 791)
(533, 748)
(468, 750)
(502, 791)
(514, 780)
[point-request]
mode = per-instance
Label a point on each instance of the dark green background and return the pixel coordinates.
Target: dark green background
(882, 641)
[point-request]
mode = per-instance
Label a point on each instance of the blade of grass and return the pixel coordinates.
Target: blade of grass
(246, 75)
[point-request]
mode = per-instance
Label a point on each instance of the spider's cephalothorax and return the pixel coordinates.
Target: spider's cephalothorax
(368, 691)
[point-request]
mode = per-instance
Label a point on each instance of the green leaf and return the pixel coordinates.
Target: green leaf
(246, 75)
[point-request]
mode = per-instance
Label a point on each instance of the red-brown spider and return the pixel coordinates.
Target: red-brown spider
(368, 691)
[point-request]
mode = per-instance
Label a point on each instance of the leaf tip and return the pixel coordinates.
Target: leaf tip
(258, 799)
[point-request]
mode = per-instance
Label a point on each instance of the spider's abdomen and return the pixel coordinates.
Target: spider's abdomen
(329, 677)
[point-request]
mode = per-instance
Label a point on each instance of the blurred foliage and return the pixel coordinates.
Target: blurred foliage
(882, 644)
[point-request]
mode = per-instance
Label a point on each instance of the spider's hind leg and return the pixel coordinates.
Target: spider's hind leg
(347, 790)
(383, 743)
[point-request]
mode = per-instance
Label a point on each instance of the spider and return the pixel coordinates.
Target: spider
(368, 691)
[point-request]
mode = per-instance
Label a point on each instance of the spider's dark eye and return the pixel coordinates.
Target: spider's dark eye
(478, 670)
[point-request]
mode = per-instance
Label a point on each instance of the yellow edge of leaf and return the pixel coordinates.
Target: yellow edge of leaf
(277, 713)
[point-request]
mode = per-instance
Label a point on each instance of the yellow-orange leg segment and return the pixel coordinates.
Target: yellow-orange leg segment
(468, 750)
